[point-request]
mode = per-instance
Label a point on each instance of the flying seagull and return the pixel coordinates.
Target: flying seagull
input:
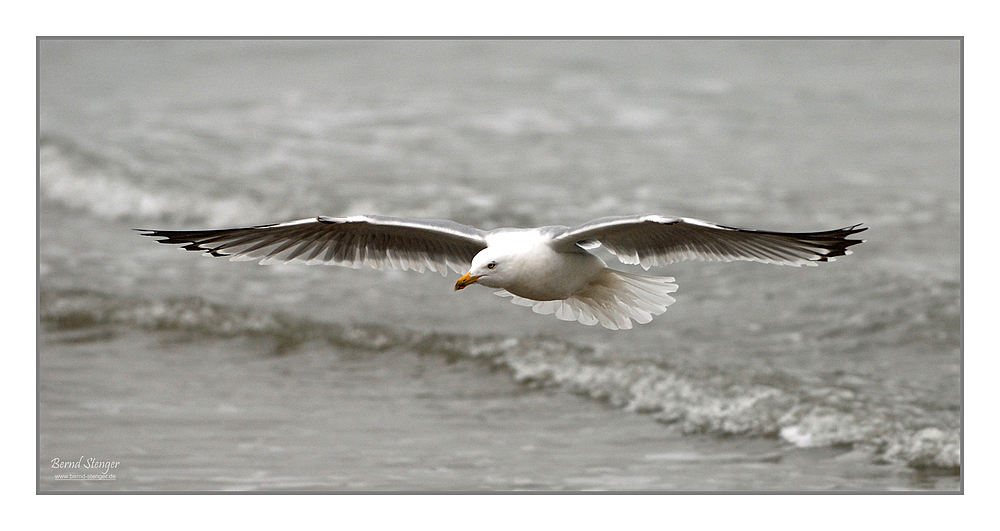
(549, 269)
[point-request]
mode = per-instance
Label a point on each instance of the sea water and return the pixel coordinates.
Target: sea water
(195, 373)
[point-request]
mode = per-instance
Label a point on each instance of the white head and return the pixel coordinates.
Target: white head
(493, 267)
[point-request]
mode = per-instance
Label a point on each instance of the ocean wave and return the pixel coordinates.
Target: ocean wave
(115, 186)
(807, 416)
(802, 412)
(73, 176)
(84, 315)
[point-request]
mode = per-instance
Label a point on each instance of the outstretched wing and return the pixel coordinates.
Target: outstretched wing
(658, 240)
(375, 241)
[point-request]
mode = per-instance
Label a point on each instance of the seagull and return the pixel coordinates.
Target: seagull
(549, 269)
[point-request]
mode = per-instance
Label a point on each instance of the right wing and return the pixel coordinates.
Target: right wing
(353, 241)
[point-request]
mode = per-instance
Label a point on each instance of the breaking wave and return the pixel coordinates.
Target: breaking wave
(803, 413)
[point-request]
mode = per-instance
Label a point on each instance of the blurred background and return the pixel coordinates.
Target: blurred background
(203, 374)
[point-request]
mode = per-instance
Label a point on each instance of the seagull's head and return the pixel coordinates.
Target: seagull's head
(490, 268)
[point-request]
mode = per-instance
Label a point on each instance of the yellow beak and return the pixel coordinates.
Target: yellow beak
(466, 281)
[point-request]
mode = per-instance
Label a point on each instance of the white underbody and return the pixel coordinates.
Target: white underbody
(574, 285)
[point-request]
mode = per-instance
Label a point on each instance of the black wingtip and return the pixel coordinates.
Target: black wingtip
(153, 233)
(837, 241)
(183, 238)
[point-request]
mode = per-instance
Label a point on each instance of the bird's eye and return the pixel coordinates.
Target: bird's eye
(491, 265)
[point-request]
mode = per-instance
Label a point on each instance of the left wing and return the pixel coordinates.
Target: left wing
(658, 240)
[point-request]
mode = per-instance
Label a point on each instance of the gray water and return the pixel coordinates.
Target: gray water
(195, 373)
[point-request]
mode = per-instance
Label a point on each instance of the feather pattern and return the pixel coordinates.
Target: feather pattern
(375, 241)
(613, 299)
(657, 240)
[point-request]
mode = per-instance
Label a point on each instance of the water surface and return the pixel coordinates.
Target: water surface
(202, 374)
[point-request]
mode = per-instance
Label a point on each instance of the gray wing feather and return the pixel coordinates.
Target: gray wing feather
(657, 240)
(376, 241)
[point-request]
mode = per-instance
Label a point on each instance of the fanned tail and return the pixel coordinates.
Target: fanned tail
(614, 299)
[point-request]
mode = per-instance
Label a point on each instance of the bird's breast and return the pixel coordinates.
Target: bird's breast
(547, 275)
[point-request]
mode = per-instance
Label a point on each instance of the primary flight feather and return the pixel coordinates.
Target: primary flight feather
(549, 269)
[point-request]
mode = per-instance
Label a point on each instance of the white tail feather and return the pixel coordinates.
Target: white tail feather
(614, 299)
